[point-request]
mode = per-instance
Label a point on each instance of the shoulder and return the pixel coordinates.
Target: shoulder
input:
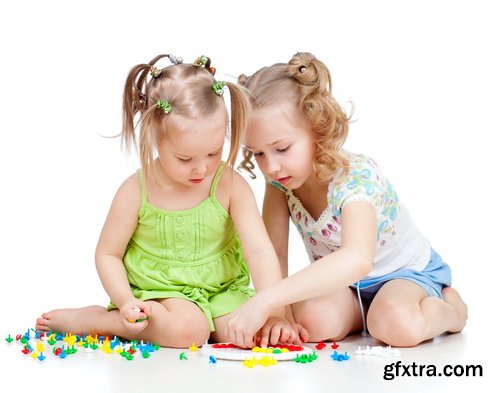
(361, 167)
(364, 181)
(360, 161)
(129, 192)
(232, 188)
(233, 181)
(131, 184)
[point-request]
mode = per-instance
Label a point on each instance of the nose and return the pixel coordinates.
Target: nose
(271, 165)
(201, 167)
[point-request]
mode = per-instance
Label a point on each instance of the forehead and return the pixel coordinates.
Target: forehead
(193, 137)
(275, 123)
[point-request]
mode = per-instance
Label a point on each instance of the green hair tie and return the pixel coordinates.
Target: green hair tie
(164, 105)
(201, 61)
(217, 87)
(154, 72)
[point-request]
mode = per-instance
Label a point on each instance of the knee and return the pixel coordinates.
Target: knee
(184, 333)
(322, 326)
(394, 324)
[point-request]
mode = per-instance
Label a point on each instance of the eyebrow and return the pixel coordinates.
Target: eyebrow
(211, 152)
(272, 143)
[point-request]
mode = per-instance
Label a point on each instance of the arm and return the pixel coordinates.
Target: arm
(337, 270)
(259, 252)
(115, 235)
(276, 219)
(262, 261)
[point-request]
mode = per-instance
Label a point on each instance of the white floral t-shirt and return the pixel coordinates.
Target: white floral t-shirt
(399, 244)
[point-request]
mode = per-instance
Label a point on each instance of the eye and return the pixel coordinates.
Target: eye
(258, 154)
(283, 150)
(215, 153)
(184, 159)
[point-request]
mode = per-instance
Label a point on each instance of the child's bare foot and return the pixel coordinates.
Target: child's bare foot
(71, 320)
(452, 297)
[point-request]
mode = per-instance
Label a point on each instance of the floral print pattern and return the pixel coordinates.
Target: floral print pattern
(364, 182)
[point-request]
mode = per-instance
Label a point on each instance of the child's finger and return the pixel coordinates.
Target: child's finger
(275, 335)
(303, 335)
(136, 327)
(136, 315)
(257, 339)
(293, 336)
(284, 336)
(146, 308)
(264, 336)
(248, 341)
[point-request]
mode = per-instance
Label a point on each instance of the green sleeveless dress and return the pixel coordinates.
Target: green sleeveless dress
(192, 254)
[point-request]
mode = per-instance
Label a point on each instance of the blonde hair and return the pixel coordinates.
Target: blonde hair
(188, 89)
(305, 82)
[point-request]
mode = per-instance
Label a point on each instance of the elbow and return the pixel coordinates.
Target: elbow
(365, 267)
(97, 258)
(361, 263)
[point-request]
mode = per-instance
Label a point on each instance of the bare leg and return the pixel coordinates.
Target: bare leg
(403, 315)
(220, 327)
(173, 323)
(330, 317)
(77, 320)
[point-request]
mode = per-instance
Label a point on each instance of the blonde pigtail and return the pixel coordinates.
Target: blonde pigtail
(240, 106)
(134, 102)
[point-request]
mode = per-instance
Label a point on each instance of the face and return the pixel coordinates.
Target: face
(191, 153)
(282, 145)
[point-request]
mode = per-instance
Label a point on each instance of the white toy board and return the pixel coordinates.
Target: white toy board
(230, 352)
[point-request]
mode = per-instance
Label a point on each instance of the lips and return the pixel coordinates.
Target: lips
(284, 180)
(196, 181)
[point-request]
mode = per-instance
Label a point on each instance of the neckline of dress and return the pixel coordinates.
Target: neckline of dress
(323, 214)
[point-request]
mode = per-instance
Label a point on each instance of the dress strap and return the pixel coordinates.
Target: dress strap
(215, 181)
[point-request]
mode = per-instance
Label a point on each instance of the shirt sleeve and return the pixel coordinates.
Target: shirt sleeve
(365, 182)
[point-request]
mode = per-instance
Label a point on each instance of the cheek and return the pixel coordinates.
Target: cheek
(301, 161)
(307, 152)
(215, 162)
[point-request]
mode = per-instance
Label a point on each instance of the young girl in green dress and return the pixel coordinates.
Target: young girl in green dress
(183, 233)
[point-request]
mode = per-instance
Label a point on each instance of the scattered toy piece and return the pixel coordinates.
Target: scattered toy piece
(306, 358)
(264, 361)
(339, 357)
(228, 351)
(89, 343)
(378, 351)
(319, 346)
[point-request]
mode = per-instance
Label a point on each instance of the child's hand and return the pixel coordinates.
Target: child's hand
(246, 321)
(134, 315)
(301, 332)
(278, 330)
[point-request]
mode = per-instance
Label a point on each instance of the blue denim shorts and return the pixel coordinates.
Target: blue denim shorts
(435, 276)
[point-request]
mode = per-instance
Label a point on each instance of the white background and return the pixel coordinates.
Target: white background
(422, 75)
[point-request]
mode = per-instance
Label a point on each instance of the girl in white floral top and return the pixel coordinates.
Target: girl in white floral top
(372, 269)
